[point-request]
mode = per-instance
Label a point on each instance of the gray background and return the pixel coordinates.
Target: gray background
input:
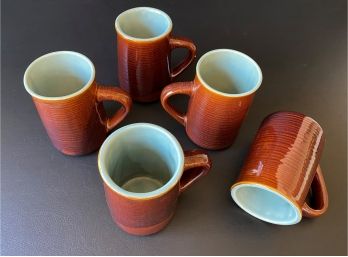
(54, 204)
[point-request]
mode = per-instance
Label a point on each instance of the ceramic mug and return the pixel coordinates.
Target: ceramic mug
(69, 101)
(144, 46)
(282, 168)
(220, 96)
(144, 170)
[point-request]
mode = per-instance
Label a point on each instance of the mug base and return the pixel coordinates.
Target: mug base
(83, 148)
(69, 152)
(212, 147)
(154, 97)
(146, 99)
(145, 231)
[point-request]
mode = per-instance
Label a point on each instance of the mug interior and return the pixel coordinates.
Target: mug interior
(58, 74)
(229, 72)
(143, 23)
(140, 159)
(266, 204)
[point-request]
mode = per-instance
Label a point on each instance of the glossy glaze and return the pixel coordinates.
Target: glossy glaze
(79, 125)
(284, 157)
(148, 216)
(213, 118)
(148, 213)
(141, 217)
(75, 122)
(144, 65)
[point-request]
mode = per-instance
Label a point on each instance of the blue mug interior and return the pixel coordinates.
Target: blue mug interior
(266, 204)
(141, 158)
(58, 74)
(229, 72)
(143, 23)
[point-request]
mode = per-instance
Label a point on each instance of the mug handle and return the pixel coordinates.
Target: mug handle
(196, 164)
(180, 42)
(320, 194)
(107, 93)
(177, 88)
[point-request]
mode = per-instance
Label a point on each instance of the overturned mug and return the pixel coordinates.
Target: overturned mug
(144, 46)
(220, 96)
(282, 169)
(69, 101)
(144, 170)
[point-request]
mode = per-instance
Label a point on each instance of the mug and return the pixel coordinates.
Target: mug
(69, 101)
(144, 45)
(220, 96)
(144, 170)
(282, 169)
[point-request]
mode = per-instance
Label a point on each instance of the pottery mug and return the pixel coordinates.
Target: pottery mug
(69, 101)
(144, 45)
(144, 170)
(220, 96)
(282, 170)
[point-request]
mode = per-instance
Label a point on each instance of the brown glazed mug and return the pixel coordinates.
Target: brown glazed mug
(282, 170)
(144, 46)
(69, 101)
(220, 96)
(144, 170)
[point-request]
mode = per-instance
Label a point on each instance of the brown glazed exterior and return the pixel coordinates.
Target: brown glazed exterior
(285, 158)
(212, 120)
(144, 66)
(145, 216)
(78, 125)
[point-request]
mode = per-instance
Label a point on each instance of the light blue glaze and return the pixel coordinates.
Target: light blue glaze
(229, 72)
(59, 75)
(266, 204)
(143, 23)
(140, 148)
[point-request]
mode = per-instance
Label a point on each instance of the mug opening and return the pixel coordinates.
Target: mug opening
(59, 75)
(266, 204)
(229, 72)
(141, 160)
(143, 23)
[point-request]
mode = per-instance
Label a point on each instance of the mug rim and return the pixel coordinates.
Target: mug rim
(292, 203)
(210, 88)
(175, 178)
(150, 9)
(56, 53)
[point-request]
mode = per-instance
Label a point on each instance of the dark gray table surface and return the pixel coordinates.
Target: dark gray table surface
(54, 204)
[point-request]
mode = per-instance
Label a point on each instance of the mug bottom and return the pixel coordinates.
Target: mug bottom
(70, 152)
(145, 231)
(79, 151)
(153, 97)
(216, 146)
